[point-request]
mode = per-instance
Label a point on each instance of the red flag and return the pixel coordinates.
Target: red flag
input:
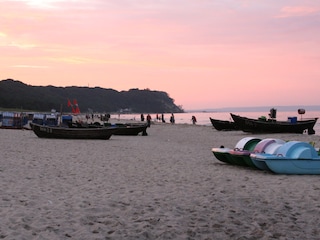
(76, 110)
(74, 107)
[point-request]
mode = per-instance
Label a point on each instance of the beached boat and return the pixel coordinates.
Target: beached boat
(242, 156)
(45, 119)
(293, 157)
(13, 120)
(223, 125)
(237, 155)
(275, 155)
(129, 129)
(273, 126)
(268, 146)
(43, 131)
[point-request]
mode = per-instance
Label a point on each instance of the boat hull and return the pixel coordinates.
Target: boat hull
(293, 157)
(222, 125)
(72, 133)
(281, 165)
(222, 154)
(131, 129)
(240, 155)
(273, 126)
(122, 129)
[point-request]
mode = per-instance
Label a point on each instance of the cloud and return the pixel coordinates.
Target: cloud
(21, 45)
(297, 11)
(28, 66)
(40, 3)
(2, 34)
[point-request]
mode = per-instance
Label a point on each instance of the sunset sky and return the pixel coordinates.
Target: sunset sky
(203, 53)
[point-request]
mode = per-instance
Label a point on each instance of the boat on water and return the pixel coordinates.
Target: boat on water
(223, 125)
(45, 131)
(263, 125)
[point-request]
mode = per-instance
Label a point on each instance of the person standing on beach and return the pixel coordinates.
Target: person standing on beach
(142, 117)
(148, 120)
(172, 118)
(193, 119)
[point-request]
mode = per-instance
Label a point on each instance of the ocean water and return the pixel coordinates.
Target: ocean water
(203, 118)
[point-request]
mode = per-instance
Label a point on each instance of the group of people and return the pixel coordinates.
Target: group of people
(161, 118)
(158, 118)
(148, 119)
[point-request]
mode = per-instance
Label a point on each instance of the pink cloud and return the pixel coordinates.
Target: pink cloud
(297, 11)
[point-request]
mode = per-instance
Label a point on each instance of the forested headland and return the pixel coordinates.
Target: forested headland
(17, 95)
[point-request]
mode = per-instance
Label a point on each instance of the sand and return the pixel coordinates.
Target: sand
(167, 185)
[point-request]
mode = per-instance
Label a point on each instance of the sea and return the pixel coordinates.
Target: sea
(203, 117)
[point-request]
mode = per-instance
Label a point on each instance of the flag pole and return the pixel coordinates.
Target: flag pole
(60, 114)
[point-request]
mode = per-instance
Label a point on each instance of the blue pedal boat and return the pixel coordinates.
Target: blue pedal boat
(293, 157)
(269, 146)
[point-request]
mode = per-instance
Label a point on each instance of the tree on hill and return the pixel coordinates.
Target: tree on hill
(15, 94)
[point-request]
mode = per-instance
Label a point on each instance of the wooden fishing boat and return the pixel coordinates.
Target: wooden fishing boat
(273, 126)
(43, 131)
(131, 129)
(293, 157)
(223, 125)
(128, 129)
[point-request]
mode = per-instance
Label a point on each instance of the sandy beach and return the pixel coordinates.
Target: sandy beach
(167, 185)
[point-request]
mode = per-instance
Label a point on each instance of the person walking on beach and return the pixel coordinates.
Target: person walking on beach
(142, 117)
(162, 118)
(193, 119)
